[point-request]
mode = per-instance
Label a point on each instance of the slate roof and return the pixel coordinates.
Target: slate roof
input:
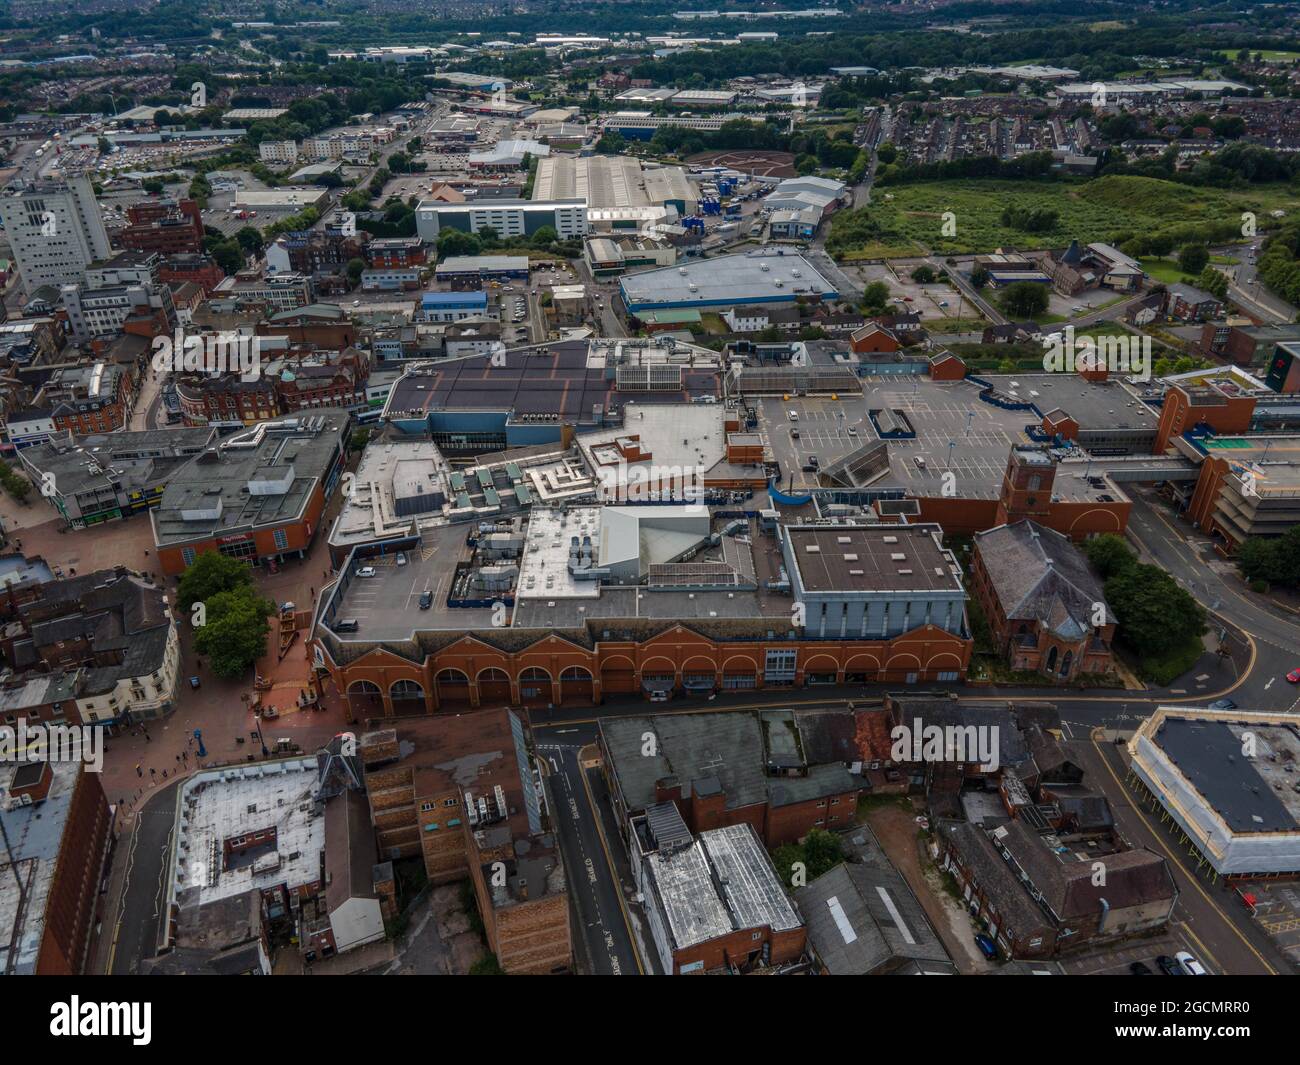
(1039, 575)
(1133, 878)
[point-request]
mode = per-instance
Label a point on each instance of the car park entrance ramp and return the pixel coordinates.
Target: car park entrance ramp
(859, 467)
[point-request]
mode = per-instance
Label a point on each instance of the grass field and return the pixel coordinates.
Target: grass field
(1089, 211)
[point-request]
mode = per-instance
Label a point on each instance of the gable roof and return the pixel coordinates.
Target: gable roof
(1039, 575)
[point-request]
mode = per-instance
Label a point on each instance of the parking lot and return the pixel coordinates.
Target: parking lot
(1117, 961)
(980, 435)
(1276, 912)
(387, 605)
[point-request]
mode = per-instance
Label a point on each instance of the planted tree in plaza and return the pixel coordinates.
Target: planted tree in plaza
(234, 634)
(211, 574)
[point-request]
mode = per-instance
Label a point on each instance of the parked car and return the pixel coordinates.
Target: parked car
(1190, 965)
(987, 947)
(1140, 968)
(1294, 676)
(1223, 704)
(853, 430)
(401, 558)
(426, 600)
(366, 571)
(1168, 966)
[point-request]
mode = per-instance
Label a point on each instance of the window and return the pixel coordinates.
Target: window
(450, 802)
(187, 555)
(425, 807)
(281, 540)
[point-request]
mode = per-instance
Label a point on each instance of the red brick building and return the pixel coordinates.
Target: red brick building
(769, 780)
(169, 226)
(258, 495)
(451, 790)
(1044, 606)
(57, 826)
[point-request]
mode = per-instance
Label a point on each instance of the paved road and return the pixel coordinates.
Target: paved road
(1209, 915)
(1172, 544)
(591, 854)
(137, 925)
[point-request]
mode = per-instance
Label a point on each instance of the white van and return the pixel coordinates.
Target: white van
(1190, 965)
(794, 415)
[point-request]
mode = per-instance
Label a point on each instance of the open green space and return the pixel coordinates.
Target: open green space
(1107, 209)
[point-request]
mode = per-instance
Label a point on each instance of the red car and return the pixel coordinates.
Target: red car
(1294, 676)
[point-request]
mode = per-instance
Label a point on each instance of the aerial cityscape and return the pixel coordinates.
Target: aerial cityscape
(519, 487)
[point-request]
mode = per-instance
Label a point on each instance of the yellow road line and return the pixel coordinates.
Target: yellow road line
(1195, 880)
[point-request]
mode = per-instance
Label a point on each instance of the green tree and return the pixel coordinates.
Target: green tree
(457, 242)
(923, 275)
(1025, 299)
(1193, 258)
(979, 277)
(544, 237)
(229, 256)
(886, 153)
(875, 297)
(211, 574)
(1215, 282)
(1156, 615)
(234, 635)
(1109, 554)
(250, 239)
(356, 267)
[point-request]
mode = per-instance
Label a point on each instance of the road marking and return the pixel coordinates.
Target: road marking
(1192, 877)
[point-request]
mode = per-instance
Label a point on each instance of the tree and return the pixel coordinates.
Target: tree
(250, 239)
(209, 575)
(1108, 554)
(545, 236)
(1193, 258)
(358, 440)
(1215, 282)
(229, 256)
(923, 275)
(1024, 299)
(1156, 615)
(457, 242)
(356, 267)
(875, 296)
(979, 277)
(886, 153)
(234, 635)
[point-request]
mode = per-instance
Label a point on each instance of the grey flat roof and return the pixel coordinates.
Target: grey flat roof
(1210, 754)
(281, 446)
(749, 277)
(871, 558)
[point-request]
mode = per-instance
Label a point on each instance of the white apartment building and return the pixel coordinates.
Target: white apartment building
(278, 151)
(56, 231)
(507, 218)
